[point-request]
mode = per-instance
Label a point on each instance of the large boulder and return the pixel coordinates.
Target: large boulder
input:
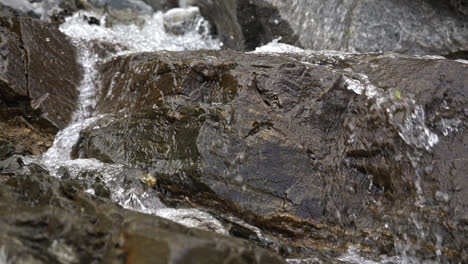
(410, 27)
(35, 103)
(30, 46)
(47, 220)
(331, 146)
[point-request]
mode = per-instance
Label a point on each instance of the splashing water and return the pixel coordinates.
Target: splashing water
(151, 36)
(412, 130)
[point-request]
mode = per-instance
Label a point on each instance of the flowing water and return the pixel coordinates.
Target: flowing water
(153, 35)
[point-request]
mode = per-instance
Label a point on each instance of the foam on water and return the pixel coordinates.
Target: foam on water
(150, 36)
(276, 47)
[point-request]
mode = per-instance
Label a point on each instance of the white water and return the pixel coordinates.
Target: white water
(151, 36)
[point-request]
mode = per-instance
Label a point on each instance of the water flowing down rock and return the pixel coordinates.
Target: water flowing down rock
(311, 141)
(272, 155)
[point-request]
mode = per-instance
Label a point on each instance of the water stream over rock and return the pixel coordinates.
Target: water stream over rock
(317, 156)
(151, 36)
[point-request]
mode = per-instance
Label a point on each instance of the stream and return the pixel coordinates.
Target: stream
(153, 37)
(384, 107)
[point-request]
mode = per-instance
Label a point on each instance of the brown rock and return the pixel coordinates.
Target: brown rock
(40, 74)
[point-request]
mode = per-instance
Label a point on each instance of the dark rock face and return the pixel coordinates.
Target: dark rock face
(303, 145)
(29, 47)
(35, 103)
(47, 220)
(460, 6)
(410, 27)
(246, 24)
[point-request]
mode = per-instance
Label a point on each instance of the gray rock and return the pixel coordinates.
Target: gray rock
(137, 6)
(20, 5)
(460, 6)
(411, 27)
(179, 21)
(162, 5)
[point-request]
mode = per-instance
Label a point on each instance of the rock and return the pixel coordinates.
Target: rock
(135, 5)
(461, 6)
(410, 27)
(5, 149)
(17, 6)
(10, 9)
(312, 145)
(178, 21)
(47, 220)
(246, 24)
(162, 5)
(40, 97)
(22, 137)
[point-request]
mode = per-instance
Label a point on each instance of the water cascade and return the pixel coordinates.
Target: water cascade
(129, 39)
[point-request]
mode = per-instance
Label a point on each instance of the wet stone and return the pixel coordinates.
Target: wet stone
(56, 222)
(290, 144)
(31, 46)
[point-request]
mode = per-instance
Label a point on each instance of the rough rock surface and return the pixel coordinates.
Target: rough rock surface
(410, 27)
(47, 220)
(28, 47)
(303, 145)
(246, 24)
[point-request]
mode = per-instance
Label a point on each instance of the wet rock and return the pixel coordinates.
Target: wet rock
(10, 9)
(246, 24)
(25, 138)
(461, 6)
(16, 7)
(135, 5)
(162, 5)
(178, 21)
(30, 46)
(5, 149)
(411, 27)
(47, 220)
(328, 146)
